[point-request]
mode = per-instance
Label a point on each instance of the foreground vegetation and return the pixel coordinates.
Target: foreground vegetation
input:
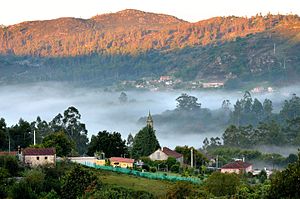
(68, 180)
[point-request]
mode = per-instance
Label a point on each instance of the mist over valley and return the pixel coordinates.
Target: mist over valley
(102, 110)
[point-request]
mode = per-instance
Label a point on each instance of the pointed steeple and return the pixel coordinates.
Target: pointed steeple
(149, 120)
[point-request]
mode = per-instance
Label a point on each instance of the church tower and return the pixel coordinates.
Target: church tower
(149, 120)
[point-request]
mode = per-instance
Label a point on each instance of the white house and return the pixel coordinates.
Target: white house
(39, 156)
(163, 154)
(237, 167)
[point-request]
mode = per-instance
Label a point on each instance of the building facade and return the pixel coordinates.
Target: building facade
(164, 153)
(39, 156)
(121, 162)
(237, 167)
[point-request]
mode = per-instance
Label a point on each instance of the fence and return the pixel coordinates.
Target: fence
(156, 176)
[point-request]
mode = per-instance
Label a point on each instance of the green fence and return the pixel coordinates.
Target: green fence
(156, 176)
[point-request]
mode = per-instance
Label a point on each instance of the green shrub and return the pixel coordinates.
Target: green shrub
(153, 169)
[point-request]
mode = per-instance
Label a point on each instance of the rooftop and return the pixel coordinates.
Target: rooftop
(119, 159)
(171, 153)
(237, 165)
(39, 151)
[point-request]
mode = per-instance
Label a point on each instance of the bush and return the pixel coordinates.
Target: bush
(222, 184)
(21, 190)
(175, 168)
(180, 190)
(76, 181)
(153, 169)
(120, 192)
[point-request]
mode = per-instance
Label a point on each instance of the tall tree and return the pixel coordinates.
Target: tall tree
(111, 144)
(187, 102)
(3, 135)
(145, 142)
(60, 141)
(21, 135)
(71, 125)
(286, 184)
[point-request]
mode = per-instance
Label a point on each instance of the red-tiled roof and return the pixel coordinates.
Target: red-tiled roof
(2, 153)
(119, 159)
(236, 165)
(171, 153)
(39, 151)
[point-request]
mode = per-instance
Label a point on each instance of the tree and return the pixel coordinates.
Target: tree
(222, 184)
(75, 129)
(187, 102)
(267, 107)
(71, 125)
(145, 142)
(60, 141)
(286, 184)
(21, 135)
(291, 108)
(199, 158)
(123, 98)
(257, 110)
(76, 181)
(41, 128)
(109, 143)
(180, 190)
(129, 144)
(3, 135)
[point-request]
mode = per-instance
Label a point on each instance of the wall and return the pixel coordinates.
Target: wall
(37, 160)
(158, 155)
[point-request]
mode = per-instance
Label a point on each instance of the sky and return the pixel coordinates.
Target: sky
(16, 11)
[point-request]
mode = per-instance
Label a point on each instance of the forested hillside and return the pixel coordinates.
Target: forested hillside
(131, 44)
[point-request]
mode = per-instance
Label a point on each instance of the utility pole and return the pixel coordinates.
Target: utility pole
(192, 158)
(217, 162)
(34, 142)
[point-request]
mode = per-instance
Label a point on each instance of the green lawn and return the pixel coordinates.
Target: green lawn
(156, 187)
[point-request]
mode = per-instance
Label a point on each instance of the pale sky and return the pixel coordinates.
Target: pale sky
(15, 11)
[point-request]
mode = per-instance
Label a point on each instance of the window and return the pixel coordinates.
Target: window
(38, 158)
(46, 158)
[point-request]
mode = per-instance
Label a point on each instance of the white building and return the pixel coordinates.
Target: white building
(163, 154)
(39, 156)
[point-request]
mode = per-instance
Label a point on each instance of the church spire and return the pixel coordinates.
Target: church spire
(149, 120)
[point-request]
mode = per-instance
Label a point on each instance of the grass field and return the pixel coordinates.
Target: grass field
(156, 187)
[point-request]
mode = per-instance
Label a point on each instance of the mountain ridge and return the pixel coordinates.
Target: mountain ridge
(128, 31)
(132, 44)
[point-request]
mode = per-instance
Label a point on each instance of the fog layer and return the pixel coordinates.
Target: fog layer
(102, 110)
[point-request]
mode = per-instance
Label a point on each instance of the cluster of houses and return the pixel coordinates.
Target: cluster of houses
(34, 157)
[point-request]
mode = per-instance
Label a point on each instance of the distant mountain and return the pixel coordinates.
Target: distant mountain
(131, 44)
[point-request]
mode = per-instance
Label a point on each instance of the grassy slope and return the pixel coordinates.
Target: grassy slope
(156, 187)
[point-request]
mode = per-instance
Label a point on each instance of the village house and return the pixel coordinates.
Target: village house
(213, 85)
(237, 167)
(39, 156)
(121, 162)
(163, 154)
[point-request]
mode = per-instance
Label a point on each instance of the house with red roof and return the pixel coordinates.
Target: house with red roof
(39, 156)
(121, 162)
(237, 167)
(164, 153)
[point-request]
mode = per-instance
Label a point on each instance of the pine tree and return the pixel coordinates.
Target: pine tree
(145, 142)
